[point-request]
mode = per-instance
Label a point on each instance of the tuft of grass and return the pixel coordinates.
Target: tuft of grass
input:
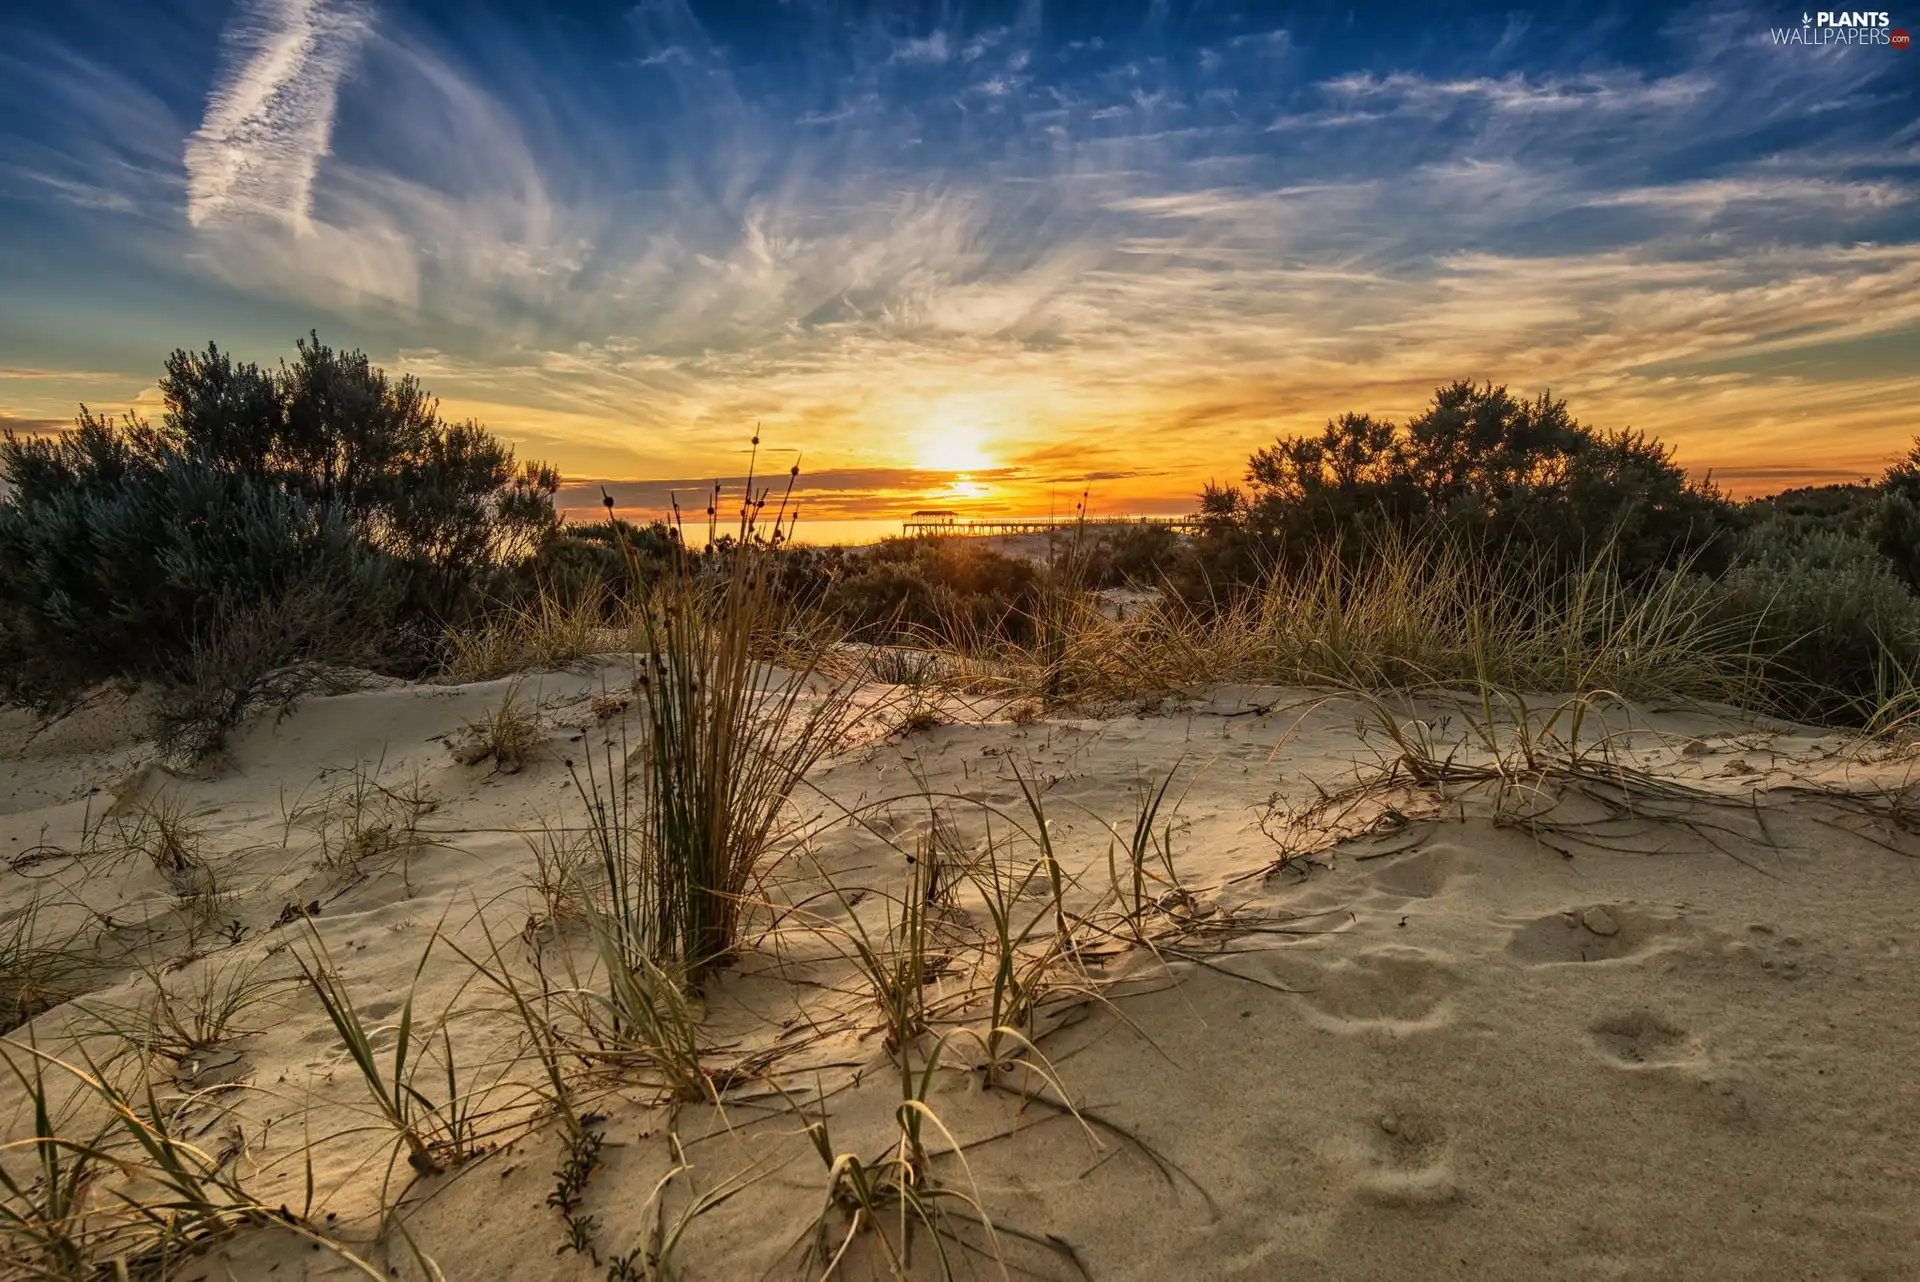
(642, 1015)
(113, 1189)
(727, 734)
(39, 968)
(206, 1006)
(563, 866)
(549, 632)
(360, 818)
(162, 831)
(508, 735)
(632, 1004)
(900, 665)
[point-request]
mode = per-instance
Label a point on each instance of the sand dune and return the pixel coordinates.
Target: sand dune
(1647, 1009)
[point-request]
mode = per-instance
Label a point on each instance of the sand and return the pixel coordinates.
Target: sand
(1436, 1030)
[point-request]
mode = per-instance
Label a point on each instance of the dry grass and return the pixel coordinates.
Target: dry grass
(1407, 617)
(112, 1187)
(357, 818)
(186, 1010)
(508, 735)
(549, 633)
(727, 737)
(40, 967)
(441, 1111)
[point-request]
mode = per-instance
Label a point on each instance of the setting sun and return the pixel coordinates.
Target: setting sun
(953, 449)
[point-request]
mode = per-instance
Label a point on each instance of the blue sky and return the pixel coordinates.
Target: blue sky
(1043, 246)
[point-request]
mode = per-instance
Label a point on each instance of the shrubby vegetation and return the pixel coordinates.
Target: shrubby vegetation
(1836, 628)
(1479, 466)
(1813, 585)
(278, 521)
(317, 513)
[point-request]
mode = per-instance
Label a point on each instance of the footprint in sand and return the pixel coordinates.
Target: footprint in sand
(1394, 988)
(1594, 933)
(1421, 875)
(1401, 1158)
(1640, 1039)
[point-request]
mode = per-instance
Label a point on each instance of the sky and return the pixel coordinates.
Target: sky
(980, 256)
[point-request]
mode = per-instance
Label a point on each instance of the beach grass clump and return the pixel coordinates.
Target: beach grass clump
(436, 1133)
(727, 735)
(214, 1002)
(358, 818)
(546, 631)
(508, 735)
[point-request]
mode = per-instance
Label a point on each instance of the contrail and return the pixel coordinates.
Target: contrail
(269, 115)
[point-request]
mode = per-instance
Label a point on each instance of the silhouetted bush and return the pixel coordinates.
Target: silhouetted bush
(312, 514)
(1480, 464)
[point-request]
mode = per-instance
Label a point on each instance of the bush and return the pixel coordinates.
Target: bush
(585, 562)
(1894, 527)
(1836, 631)
(1502, 473)
(318, 513)
(1131, 556)
(1838, 509)
(949, 589)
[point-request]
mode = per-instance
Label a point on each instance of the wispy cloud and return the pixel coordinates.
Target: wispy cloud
(269, 118)
(928, 48)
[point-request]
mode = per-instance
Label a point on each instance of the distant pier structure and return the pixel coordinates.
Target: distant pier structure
(943, 522)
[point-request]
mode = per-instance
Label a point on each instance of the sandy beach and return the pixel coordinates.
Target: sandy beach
(1636, 1009)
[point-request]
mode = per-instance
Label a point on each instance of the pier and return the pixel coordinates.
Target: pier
(943, 524)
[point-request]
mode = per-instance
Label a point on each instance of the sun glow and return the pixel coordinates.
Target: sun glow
(952, 448)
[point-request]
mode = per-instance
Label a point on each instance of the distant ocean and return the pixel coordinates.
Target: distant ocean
(855, 532)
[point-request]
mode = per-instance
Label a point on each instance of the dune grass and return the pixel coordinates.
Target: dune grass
(549, 631)
(40, 966)
(112, 1187)
(1411, 616)
(509, 735)
(727, 735)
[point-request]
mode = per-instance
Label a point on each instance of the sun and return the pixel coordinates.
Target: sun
(953, 448)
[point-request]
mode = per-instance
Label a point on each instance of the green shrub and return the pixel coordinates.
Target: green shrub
(1838, 509)
(1894, 527)
(132, 578)
(1130, 555)
(585, 561)
(318, 513)
(1836, 631)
